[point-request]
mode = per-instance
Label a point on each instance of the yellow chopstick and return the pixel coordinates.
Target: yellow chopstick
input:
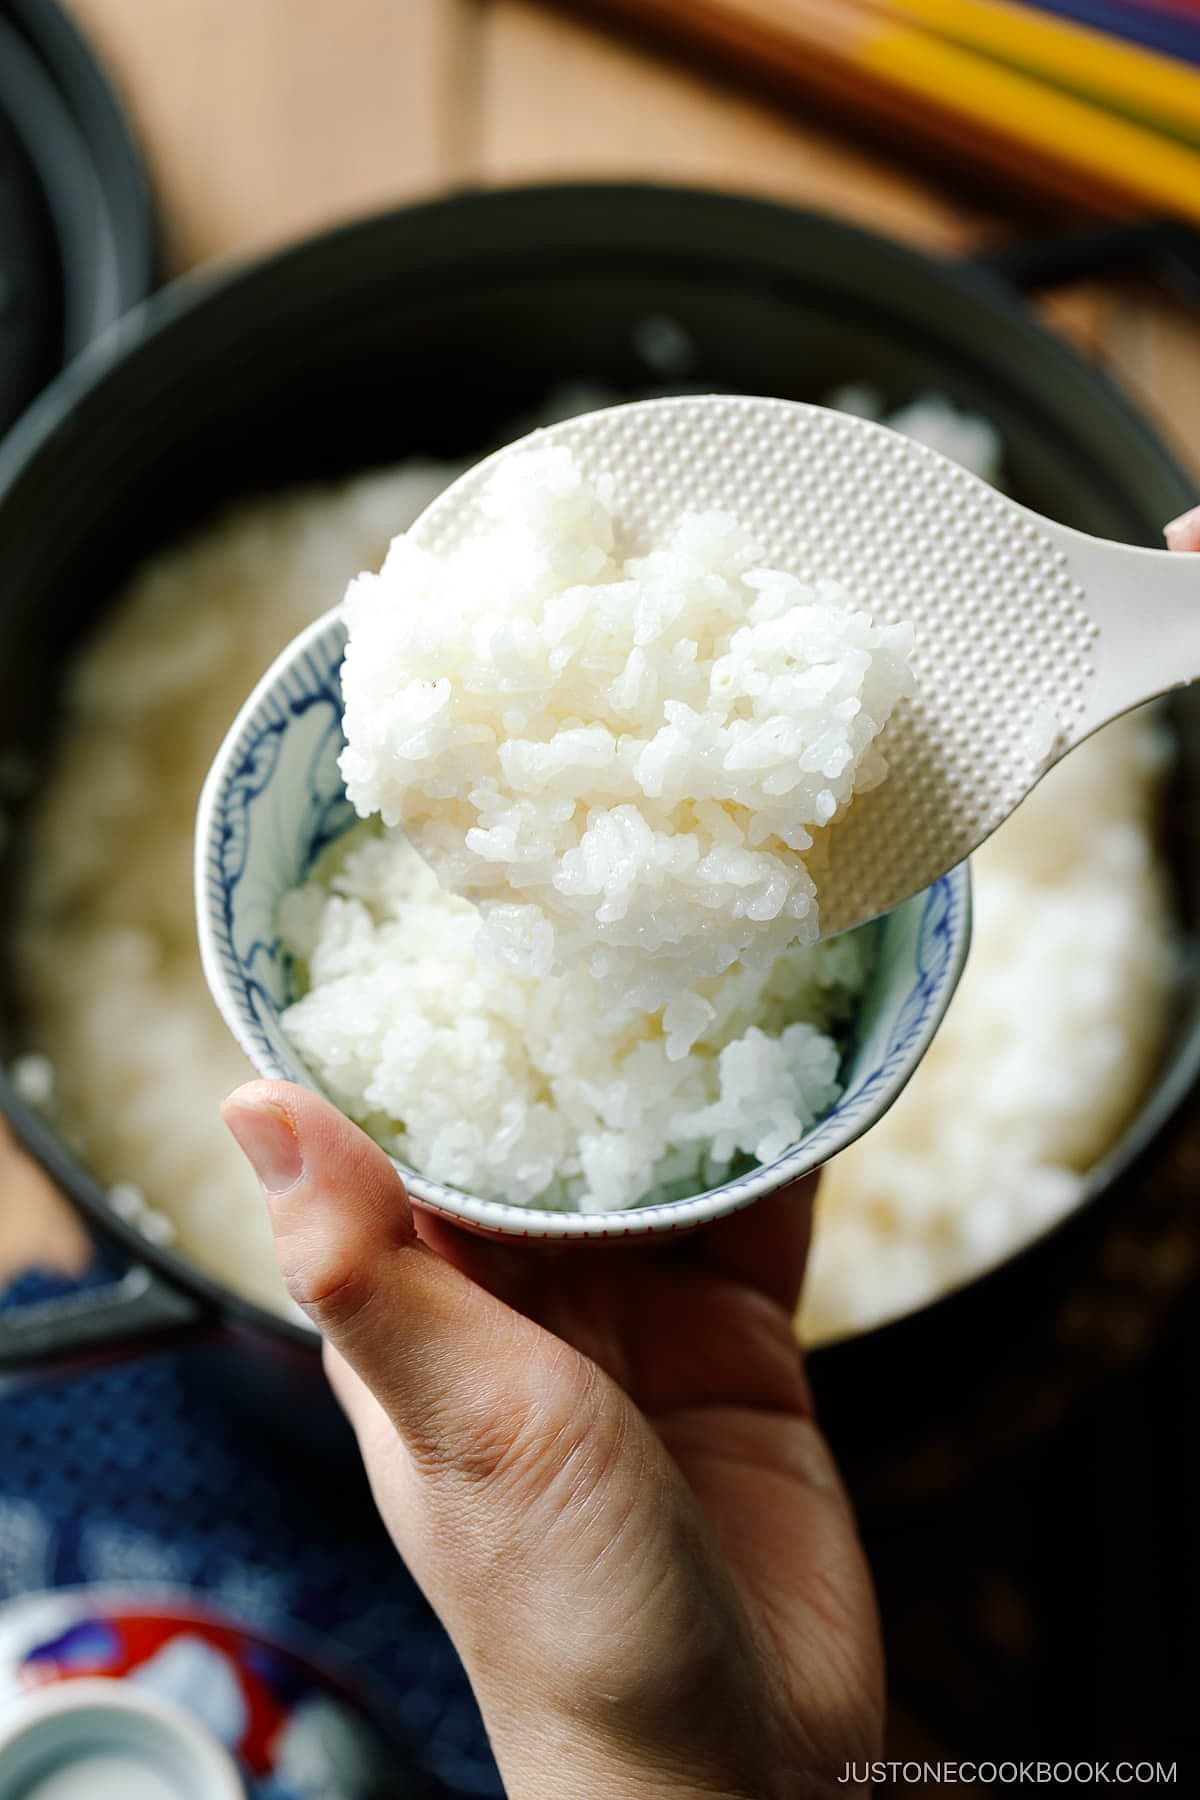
(1139, 82)
(900, 73)
(1157, 169)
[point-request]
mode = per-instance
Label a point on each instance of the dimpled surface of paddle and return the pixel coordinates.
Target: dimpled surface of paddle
(1004, 643)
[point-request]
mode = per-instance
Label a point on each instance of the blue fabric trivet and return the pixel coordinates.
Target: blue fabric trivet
(179, 1468)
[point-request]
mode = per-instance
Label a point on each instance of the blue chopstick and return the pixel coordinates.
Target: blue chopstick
(1171, 34)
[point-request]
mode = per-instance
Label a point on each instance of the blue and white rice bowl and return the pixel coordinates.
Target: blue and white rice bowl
(274, 801)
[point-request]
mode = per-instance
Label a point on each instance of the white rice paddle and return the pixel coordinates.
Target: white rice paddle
(1028, 635)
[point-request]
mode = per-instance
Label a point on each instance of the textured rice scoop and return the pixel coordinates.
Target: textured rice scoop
(620, 760)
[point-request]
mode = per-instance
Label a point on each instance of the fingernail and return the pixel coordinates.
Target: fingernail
(1183, 533)
(268, 1138)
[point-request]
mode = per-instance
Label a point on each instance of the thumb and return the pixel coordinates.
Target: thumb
(1184, 533)
(491, 1447)
(473, 1388)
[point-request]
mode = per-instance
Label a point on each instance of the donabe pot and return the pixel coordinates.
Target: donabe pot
(431, 330)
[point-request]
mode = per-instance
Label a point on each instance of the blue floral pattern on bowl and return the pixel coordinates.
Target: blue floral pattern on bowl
(274, 799)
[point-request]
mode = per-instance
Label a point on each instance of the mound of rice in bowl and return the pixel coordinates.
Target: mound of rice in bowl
(532, 1089)
(621, 762)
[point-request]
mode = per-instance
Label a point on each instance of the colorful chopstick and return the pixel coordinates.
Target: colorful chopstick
(1171, 33)
(1153, 89)
(904, 76)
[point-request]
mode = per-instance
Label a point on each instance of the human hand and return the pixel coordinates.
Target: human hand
(1184, 533)
(602, 1468)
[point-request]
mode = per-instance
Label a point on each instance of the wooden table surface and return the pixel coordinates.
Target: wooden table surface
(262, 120)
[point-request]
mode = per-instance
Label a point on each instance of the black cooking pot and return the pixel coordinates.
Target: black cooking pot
(429, 331)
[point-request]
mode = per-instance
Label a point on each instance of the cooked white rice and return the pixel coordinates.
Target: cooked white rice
(532, 1089)
(107, 956)
(621, 765)
(141, 1059)
(1044, 1052)
(620, 762)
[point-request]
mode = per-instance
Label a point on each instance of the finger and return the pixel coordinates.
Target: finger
(471, 1385)
(1184, 533)
(765, 1245)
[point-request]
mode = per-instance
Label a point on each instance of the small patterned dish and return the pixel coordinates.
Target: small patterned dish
(111, 1691)
(274, 800)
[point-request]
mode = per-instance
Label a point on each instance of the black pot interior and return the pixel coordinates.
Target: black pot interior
(431, 332)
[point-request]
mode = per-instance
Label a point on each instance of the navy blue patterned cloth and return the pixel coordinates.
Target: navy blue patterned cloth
(185, 1468)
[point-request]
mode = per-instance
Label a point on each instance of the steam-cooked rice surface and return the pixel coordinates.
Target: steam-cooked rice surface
(531, 1088)
(620, 759)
